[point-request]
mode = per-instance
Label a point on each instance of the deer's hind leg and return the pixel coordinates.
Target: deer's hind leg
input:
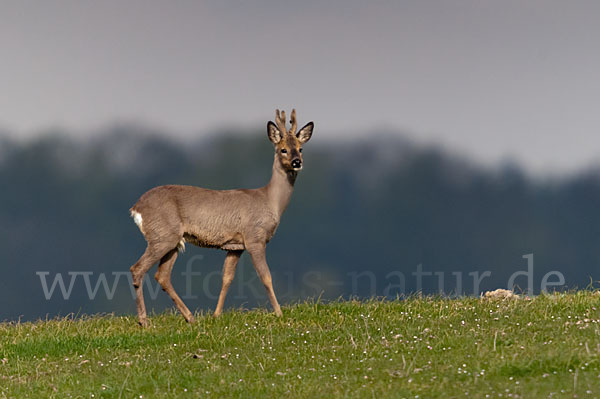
(163, 276)
(153, 254)
(138, 271)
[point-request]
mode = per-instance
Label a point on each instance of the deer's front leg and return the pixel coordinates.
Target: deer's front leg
(257, 252)
(231, 261)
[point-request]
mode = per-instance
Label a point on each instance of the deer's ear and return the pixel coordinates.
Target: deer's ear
(305, 133)
(273, 133)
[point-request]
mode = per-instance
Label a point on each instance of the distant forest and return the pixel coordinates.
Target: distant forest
(377, 217)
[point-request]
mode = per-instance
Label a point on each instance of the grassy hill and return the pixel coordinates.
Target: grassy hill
(547, 346)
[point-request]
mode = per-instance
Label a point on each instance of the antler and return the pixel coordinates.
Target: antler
(293, 122)
(280, 121)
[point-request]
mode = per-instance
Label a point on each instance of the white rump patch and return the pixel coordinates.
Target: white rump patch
(137, 218)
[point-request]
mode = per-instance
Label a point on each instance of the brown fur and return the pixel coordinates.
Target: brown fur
(232, 220)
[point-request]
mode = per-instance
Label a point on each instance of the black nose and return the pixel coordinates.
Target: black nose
(296, 163)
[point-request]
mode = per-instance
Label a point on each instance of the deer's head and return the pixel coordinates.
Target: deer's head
(288, 143)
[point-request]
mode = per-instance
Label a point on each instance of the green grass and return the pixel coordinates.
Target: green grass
(548, 346)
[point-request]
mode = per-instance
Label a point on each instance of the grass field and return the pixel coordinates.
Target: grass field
(548, 346)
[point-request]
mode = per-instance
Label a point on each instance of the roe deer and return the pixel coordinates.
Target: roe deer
(232, 220)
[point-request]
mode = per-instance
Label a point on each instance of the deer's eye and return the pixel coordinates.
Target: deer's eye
(300, 149)
(283, 151)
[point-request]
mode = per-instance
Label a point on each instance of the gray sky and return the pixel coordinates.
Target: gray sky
(492, 79)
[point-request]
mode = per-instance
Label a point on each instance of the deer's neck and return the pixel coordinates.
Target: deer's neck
(280, 188)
